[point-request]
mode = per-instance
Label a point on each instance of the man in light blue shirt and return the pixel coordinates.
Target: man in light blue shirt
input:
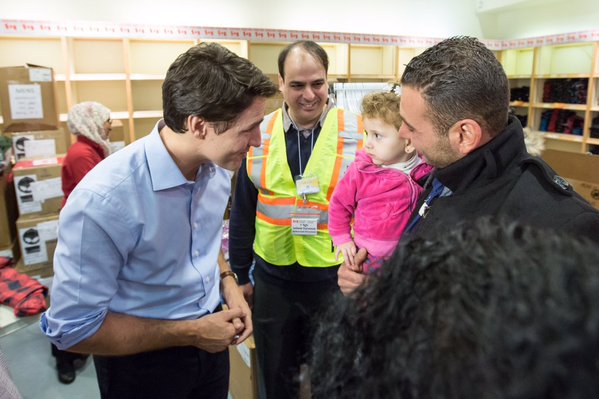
(138, 268)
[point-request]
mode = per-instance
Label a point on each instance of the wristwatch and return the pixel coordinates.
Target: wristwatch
(229, 273)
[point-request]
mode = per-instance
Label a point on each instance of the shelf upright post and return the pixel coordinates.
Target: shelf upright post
(129, 91)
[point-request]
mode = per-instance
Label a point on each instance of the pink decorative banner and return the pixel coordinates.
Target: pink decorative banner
(141, 31)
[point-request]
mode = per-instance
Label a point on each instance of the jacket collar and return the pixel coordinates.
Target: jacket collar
(487, 162)
(97, 147)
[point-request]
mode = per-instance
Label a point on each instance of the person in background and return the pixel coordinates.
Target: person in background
(455, 111)
(139, 271)
(90, 123)
(279, 214)
(488, 309)
(378, 193)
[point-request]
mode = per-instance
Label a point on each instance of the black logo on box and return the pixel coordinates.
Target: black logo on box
(24, 188)
(20, 147)
(31, 241)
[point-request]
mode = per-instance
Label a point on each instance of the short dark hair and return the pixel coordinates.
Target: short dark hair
(310, 47)
(210, 81)
(459, 78)
(489, 310)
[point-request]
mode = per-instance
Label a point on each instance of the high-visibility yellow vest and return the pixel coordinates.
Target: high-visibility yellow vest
(340, 138)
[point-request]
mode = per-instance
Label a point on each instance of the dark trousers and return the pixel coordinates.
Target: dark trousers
(283, 323)
(184, 372)
(66, 357)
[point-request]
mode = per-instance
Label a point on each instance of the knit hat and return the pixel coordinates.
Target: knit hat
(87, 119)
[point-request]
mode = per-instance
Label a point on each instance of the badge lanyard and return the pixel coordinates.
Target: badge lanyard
(299, 148)
(304, 219)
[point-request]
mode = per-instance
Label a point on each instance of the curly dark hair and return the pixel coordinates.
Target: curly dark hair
(210, 81)
(489, 310)
(460, 78)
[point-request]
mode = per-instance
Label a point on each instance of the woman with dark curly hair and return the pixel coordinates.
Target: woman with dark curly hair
(489, 310)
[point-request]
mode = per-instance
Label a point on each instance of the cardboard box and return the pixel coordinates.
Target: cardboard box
(38, 186)
(39, 144)
(243, 380)
(11, 251)
(8, 209)
(579, 169)
(27, 97)
(37, 240)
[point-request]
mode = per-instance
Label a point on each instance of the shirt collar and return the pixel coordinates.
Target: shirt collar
(287, 119)
(164, 172)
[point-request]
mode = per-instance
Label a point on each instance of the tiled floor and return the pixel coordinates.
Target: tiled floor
(31, 364)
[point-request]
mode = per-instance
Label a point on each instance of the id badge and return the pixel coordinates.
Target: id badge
(306, 185)
(304, 221)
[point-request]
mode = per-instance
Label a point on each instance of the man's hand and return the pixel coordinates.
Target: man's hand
(235, 299)
(215, 332)
(348, 279)
(248, 293)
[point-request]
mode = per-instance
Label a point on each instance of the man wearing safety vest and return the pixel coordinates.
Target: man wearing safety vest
(279, 217)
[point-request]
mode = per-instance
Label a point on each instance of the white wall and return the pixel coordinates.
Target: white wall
(426, 18)
(499, 19)
(539, 18)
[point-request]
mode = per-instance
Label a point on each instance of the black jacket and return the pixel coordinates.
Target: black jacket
(501, 179)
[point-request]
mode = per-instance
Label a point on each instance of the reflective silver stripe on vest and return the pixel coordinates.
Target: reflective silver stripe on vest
(257, 159)
(350, 142)
(283, 212)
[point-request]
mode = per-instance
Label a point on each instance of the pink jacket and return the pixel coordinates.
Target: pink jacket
(380, 200)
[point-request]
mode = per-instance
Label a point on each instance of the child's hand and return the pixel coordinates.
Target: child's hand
(348, 250)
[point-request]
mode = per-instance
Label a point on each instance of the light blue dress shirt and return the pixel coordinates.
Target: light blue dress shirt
(135, 237)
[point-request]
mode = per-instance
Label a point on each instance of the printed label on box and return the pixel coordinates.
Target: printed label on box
(244, 352)
(48, 230)
(34, 248)
(25, 101)
(40, 148)
(40, 74)
(6, 253)
(44, 189)
(46, 161)
(25, 200)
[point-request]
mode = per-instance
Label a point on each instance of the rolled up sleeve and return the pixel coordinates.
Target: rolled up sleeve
(93, 242)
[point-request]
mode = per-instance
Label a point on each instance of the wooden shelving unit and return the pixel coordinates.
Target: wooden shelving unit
(558, 65)
(126, 74)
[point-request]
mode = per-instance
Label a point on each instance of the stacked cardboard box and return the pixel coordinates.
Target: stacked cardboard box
(27, 97)
(38, 188)
(39, 144)
(37, 239)
(579, 169)
(30, 119)
(243, 381)
(8, 216)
